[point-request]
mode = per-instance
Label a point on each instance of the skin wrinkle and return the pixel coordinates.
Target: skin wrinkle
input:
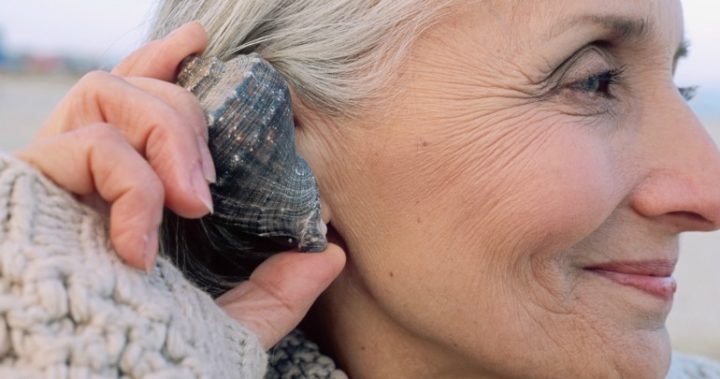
(486, 199)
(613, 360)
(492, 142)
(460, 155)
(473, 73)
(470, 80)
(546, 282)
(529, 143)
(561, 345)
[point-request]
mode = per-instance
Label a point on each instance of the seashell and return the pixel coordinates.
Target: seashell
(266, 198)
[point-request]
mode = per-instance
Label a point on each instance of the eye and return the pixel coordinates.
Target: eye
(598, 84)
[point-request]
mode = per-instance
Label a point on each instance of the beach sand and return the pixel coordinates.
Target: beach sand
(25, 102)
(694, 324)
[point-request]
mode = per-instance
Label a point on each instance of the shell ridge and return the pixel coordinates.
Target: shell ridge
(266, 196)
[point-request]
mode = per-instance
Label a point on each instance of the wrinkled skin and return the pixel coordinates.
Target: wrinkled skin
(471, 201)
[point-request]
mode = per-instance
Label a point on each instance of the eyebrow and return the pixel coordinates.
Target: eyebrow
(621, 28)
(682, 51)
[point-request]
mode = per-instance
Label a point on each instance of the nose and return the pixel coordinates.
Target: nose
(681, 183)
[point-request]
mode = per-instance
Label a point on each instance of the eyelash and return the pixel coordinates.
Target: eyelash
(604, 82)
(688, 92)
(607, 79)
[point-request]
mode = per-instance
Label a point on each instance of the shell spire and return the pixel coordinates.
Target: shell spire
(266, 197)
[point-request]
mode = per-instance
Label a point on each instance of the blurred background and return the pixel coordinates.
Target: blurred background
(46, 45)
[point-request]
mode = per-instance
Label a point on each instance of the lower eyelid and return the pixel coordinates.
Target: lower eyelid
(578, 102)
(584, 104)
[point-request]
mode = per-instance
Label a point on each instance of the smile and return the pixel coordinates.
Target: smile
(652, 277)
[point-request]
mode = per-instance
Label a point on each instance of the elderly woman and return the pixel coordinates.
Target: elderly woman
(508, 180)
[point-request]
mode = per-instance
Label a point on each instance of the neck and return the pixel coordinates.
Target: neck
(367, 342)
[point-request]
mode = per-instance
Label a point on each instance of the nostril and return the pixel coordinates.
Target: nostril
(690, 215)
(698, 221)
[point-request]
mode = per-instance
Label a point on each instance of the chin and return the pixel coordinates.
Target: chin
(640, 356)
(632, 339)
(645, 354)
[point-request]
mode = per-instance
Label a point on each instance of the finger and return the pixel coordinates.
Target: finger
(188, 107)
(99, 159)
(180, 99)
(280, 292)
(160, 59)
(153, 128)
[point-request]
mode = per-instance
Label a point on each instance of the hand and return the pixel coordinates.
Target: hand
(136, 141)
(281, 290)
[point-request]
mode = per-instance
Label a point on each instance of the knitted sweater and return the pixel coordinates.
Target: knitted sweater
(69, 308)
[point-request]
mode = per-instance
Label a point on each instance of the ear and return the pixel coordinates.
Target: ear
(311, 143)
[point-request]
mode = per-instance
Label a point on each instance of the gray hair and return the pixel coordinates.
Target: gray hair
(337, 54)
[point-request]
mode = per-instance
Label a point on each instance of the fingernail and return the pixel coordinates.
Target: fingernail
(150, 250)
(208, 167)
(202, 190)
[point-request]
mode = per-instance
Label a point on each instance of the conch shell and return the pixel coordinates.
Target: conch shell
(266, 198)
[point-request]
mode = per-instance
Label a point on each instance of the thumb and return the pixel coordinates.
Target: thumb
(281, 290)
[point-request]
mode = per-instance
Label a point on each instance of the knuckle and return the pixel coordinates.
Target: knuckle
(104, 134)
(184, 108)
(169, 115)
(186, 97)
(155, 191)
(127, 173)
(145, 180)
(91, 86)
(166, 128)
(150, 196)
(94, 77)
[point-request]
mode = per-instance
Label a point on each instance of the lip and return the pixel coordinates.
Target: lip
(653, 277)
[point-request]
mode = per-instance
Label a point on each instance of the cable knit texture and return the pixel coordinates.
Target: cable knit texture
(687, 367)
(70, 309)
(297, 357)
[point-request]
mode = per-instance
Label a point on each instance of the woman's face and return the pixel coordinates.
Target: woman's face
(533, 161)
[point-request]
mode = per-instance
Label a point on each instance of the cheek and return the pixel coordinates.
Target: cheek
(555, 193)
(521, 186)
(459, 214)
(450, 204)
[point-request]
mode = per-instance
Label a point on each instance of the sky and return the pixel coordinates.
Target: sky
(109, 29)
(101, 29)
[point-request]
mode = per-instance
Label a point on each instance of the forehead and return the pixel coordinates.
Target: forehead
(514, 32)
(660, 18)
(530, 21)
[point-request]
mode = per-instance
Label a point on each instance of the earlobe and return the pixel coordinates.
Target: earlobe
(325, 212)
